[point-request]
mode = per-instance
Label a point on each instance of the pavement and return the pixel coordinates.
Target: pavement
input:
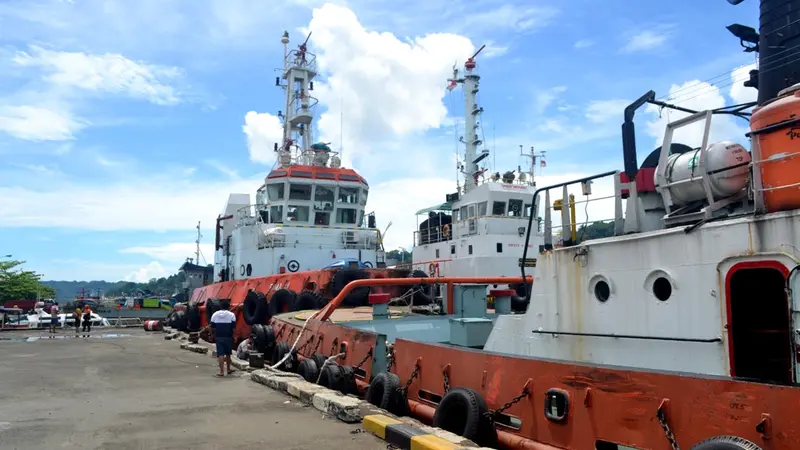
(129, 389)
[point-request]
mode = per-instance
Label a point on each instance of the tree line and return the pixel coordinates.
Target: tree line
(17, 283)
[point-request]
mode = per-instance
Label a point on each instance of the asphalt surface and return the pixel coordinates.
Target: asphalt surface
(138, 391)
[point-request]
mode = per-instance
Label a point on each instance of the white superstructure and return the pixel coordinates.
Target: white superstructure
(480, 229)
(310, 212)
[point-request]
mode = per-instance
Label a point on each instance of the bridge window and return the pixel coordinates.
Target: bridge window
(297, 213)
(463, 213)
(275, 191)
(360, 218)
(300, 192)
(470, 211)
(481, 209)
(528, 209)
(364, 194)
(515, 208)
(498, 208)
(346, 215)
(276, 214)
(322, 218)
(348, 195)
(323, 198)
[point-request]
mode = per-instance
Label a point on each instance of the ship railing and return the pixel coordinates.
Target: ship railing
(463, 228)
(303, 60)
(303, 104)
(576, 195)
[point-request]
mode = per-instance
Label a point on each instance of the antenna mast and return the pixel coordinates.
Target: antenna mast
(197, 242)
(471, 112)
(533, 156)
(299, 70)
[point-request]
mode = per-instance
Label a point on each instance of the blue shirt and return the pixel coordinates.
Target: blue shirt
(223, 322)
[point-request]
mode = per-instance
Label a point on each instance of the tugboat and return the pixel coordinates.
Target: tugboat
(480, 228)
(306, 236)
(659, 337)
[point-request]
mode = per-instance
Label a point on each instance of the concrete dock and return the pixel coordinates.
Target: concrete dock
(128, 389)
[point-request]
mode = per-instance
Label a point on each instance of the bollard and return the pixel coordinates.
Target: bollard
(194, 337)
(380, 305)
(502, 300)
(257, 360)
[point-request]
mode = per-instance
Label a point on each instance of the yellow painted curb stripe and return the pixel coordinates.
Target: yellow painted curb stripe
(432, 442)
(377, 424)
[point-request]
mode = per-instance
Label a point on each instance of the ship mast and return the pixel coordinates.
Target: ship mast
(197, 243)
(299, 70)
(470, 83)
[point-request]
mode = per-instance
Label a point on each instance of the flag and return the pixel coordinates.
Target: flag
(542, 163)
(451, 85)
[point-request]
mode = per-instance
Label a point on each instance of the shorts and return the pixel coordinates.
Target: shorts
(224, 346)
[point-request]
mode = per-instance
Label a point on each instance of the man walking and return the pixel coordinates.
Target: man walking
(53, 317)
(223, 322)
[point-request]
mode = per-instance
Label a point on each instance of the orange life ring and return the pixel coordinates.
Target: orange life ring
(446, 230)
(431, 269)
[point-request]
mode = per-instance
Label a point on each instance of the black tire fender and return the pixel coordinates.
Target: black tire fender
(281, 301)
(192, 318)
(463, 411)
(384, 392)
(263, 339)
(307, 300)
(212, 306)
(725, 443)
(179, 321)
(423, 294)
(254, 308)
(331, 376)
(358, 296)
(347, 384)
(281, 349)
(320, 359)
(308, 370)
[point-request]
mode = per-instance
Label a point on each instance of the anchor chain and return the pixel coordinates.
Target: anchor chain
(390, 359)
(446, 375)
(414, 374)
(366, 357)
(662, 419)
(490, 415)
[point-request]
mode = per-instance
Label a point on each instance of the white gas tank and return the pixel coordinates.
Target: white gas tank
(719, 157)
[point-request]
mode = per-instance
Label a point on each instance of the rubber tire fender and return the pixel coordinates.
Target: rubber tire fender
(281, 349)
(255, 309)
(193, 318)
(384, 392)
(320, 359)
(331, 377)
(281, 301)
(423, 294)
(306, 300)
(212, 306)
(462, 411)
(179, 321)
(358, 296)
(725, 443)
(348, 381)
(263, 339)
(308, 370)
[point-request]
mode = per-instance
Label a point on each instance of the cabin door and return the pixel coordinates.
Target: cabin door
(760, 338)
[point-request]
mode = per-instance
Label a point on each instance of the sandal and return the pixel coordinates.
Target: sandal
(231, 372)
(217, 375)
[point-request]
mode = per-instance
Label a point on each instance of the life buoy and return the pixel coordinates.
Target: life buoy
(433, 269)
(446, 230)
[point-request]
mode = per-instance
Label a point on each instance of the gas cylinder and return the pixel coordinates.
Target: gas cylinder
(726, 162)
(778, 150)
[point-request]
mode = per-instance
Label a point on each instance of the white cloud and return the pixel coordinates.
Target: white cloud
(106, 73)
(36, 123)
(175, 252)
(389, 87)
(510, 17)
(493, 50)
(645, 40)
(583, 43)
(544, 99)
(703, 96)
(263, 131)
(739, 93)
(148, 272)
(600, 111)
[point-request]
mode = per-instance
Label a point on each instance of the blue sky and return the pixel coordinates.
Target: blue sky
(123, 123)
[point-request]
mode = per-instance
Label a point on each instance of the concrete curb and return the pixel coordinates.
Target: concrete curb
(407, 436)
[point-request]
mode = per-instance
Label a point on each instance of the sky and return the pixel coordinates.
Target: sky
(123, 124)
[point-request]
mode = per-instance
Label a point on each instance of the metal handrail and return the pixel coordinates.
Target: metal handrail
(326, 312)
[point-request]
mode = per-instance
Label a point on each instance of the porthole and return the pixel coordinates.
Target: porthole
(602, 291)
(662, 289)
